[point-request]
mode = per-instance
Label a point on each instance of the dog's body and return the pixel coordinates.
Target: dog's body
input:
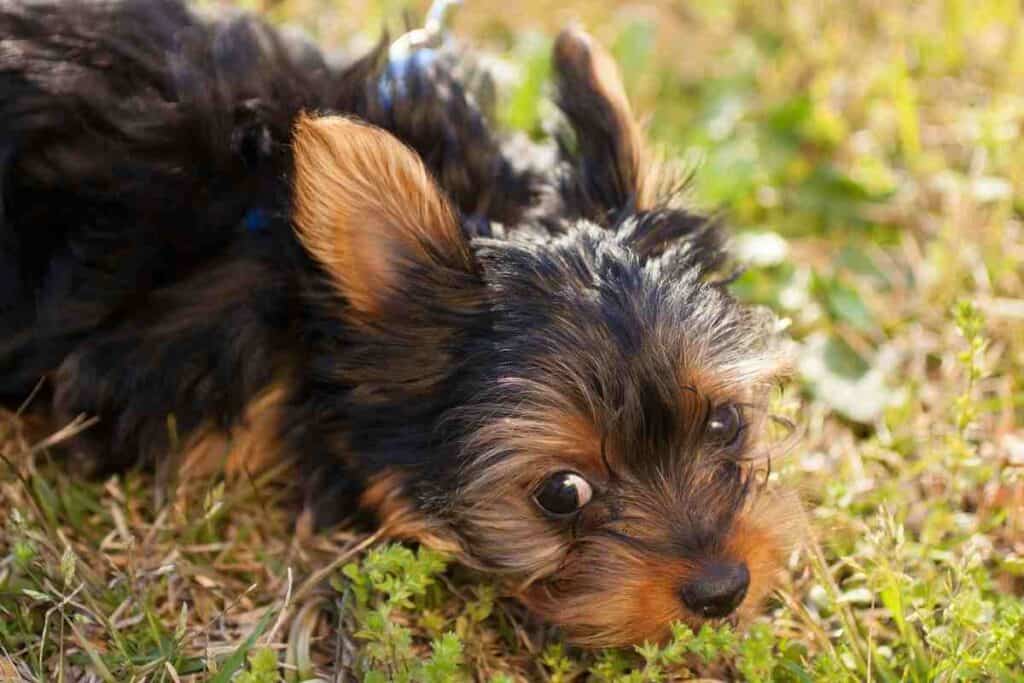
(146, 204)
(448, 336)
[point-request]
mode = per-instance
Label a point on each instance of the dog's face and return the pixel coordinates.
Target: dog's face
(612, 458)
(585, 408)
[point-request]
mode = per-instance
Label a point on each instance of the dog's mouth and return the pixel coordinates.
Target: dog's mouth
(619, 594)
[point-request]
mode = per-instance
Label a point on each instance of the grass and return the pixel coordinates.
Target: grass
(871, 157)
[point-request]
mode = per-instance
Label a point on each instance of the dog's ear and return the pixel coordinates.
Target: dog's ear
(368, 211)
(614, 168)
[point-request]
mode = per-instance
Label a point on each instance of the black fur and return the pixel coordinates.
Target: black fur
(135, 138)
(149, 266)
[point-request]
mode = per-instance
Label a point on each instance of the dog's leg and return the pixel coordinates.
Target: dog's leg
(192, 356)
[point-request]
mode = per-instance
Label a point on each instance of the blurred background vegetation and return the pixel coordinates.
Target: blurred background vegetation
(869, 156)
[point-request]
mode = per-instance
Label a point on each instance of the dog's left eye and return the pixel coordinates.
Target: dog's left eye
(724, 425)
(563, 494)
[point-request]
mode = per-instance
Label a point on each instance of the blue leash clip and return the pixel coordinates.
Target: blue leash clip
(414, 50)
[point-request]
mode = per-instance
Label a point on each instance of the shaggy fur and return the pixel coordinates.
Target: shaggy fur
(215, 237)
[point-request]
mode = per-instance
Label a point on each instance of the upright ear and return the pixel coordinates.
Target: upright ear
(368, 211)
(613, 160)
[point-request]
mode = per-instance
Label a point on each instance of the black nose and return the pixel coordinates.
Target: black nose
(717, 590)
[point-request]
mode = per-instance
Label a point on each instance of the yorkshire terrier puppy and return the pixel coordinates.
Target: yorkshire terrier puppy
(214, 236)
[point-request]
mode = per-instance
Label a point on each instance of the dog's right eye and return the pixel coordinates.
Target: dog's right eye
(563, 493)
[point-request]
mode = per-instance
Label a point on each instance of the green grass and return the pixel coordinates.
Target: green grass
(870, 157)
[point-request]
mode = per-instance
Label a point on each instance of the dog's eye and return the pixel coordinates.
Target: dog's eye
(563, 494)
(724, 425)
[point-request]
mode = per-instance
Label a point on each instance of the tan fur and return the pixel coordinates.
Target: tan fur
(365, 206)
(743, 381)
(603, 591)
(511, 458)
(761, 538)
(627, 596)
(399, 518)
(607, 593)
(543, 437)
(251, 446)
(577, 50)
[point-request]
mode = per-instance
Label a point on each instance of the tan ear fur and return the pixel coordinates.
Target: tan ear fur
(578, 53)
(365, 207)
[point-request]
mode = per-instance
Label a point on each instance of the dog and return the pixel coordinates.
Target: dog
(236, 250)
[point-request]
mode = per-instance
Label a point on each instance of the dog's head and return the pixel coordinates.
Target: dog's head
(580, 408)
